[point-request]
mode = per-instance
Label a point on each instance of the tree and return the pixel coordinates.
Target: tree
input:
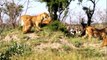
(12, 10)
(27, 6)
(1, 21)
(55, 6)
(89, 12)
(60, 6)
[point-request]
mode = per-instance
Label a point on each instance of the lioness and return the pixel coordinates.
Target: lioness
(28, 21)
(91, 31)
(104, 43)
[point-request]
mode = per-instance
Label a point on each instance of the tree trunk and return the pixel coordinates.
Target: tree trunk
(89, 20)
(55, 15)
(1, 21)
(53, 12)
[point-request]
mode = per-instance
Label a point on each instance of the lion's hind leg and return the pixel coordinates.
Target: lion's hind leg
(26, 27)
(104, 43)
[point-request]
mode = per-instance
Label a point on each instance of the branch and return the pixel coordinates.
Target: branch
(94, 4)
(65, 8)
(93, 1)
(97, 2)
(27, 6)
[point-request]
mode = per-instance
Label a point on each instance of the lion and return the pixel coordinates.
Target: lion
(104, 43)
(94, 32)
(28, 21)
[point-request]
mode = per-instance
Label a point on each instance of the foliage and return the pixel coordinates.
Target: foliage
(5, 29)
(89, 12)
(76, 41)
(12, 10)
(47, 44)
(55, 6)
(57, 26)
(14, 49)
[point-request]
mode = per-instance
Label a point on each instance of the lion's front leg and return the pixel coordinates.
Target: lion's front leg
(104, 43)
(37, 27)
(90, 37)
(84, 36)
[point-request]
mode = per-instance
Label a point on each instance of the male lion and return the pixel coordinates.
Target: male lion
(28, 21)
(91, 31)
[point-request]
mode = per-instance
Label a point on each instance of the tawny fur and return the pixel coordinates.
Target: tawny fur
(29, 21)
(92, 31)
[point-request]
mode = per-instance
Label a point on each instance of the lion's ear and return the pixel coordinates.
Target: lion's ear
(42, 17)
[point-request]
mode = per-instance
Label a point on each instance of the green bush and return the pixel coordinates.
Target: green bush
(14, 49)
(57, 26)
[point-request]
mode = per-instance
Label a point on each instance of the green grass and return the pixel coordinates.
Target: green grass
(57, 55)
(26, 48)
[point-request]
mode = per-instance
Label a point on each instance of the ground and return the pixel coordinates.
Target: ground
(48, 45)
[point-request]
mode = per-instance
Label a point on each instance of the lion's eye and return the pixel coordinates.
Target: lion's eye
(45, 16)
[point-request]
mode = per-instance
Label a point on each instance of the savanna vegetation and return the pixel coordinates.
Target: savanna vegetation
(49, 44)
(53, 42)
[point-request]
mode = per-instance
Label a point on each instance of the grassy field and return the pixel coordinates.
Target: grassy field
(49, 44)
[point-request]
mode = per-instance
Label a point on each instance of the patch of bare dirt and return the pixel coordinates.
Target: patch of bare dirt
(94, 45)
(49, 45)
(65, 42)
(15, 36)
(11, 37)
(32, 36)
(54, 45)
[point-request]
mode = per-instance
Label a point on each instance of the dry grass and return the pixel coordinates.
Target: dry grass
(48, 45)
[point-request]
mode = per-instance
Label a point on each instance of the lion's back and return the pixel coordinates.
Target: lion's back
(90, 30)
(25, 18)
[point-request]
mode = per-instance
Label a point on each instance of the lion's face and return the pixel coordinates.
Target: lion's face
(45, 18)
(46, 21)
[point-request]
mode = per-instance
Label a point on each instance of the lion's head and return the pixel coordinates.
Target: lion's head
(46, 21)
(45, 18)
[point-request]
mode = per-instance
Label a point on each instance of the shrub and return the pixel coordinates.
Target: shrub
(57, 25)
(14, 49)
